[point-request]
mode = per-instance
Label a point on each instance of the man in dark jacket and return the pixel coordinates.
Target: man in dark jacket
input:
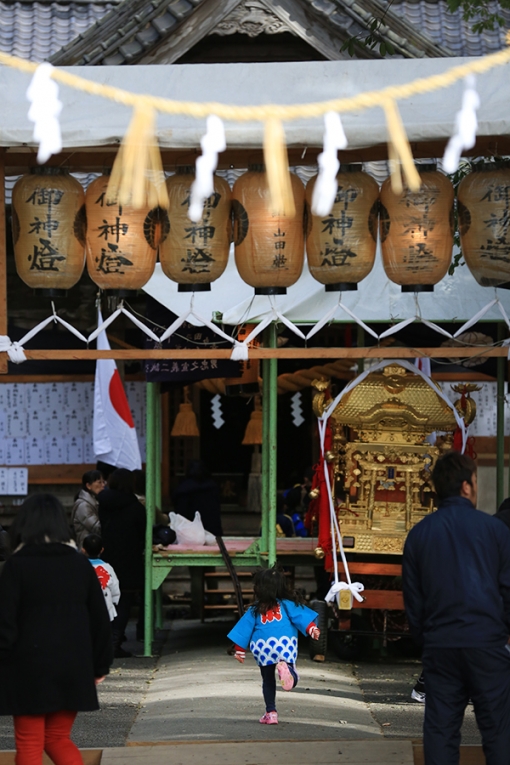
(456, 582)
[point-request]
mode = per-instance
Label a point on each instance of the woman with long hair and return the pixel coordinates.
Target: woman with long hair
(55, 639)
(84, 515)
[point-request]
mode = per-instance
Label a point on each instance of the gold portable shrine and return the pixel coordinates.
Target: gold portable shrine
(382, 461)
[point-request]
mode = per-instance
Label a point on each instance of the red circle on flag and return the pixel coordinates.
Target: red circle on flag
(119, 400)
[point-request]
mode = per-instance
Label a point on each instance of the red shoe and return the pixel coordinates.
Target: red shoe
(269, 718)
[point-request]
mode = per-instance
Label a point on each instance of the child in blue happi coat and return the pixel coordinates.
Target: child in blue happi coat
(270, 628)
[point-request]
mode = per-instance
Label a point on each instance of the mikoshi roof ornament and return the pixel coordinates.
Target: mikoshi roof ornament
(416, 230)
(48, 230)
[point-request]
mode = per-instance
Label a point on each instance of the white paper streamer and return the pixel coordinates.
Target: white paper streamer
(203, 186)
(465, 127)
(324, 191)
(240, 350)
(44, 112)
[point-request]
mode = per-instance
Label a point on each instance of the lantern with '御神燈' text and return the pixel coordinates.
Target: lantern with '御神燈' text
(194, 254)
(483, 200)
(122, 241)
(48, 228)
(341, 246)
(417, 231)
(269, 247)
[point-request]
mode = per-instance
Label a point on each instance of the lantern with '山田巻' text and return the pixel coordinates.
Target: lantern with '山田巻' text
(417, 231)
(121, 241)
(484, 222)
(194, 254)
(48, 227)
(341, 246)
(269, 247)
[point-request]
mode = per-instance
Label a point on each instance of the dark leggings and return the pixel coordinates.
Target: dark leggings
(269, 684)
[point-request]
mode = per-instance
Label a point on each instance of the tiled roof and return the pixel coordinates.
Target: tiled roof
(449, 29)
(123, 32)
(36, 31)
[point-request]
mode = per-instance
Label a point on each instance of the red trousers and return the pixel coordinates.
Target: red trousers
(50, 733)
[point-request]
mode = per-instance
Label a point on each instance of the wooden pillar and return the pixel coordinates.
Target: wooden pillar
(3, 264)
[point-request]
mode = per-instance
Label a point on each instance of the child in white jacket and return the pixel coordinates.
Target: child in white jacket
(92, 548)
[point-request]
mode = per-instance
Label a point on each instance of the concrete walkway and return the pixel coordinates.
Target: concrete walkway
(200, 693)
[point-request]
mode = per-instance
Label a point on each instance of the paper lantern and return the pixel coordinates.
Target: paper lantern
(195, 254)
(417, 231)
(269, 249)
(122, 241)
(341, 246)
(484, 222)
(48, 227)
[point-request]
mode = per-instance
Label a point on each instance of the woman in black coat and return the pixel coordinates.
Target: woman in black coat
(55, 639)
(123, 521)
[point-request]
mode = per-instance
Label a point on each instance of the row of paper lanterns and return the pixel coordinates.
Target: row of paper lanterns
(57, 227)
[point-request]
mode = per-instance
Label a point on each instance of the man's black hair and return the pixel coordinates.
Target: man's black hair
(41, 518)
(122, 480)
(450, 472)
(93, 545)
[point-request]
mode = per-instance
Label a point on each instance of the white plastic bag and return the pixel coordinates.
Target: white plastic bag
(188, 532)
(210, 539)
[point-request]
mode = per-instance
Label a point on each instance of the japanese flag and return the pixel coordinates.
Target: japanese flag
(114, 432)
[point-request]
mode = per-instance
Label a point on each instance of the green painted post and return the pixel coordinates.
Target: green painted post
(272, 447)
(500, 419)
(150, 503)
(264, 495)
(158, 497)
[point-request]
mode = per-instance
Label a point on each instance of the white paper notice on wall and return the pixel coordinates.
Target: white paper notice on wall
(17, 481)
(74, 450)
(3, 481)
(55, 451)
(35, 451)
(14, 451)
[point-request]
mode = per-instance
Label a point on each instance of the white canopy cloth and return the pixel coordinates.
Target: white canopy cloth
(455, 298)
(92, 121)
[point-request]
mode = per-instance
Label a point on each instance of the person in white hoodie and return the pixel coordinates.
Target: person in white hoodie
(92, 547)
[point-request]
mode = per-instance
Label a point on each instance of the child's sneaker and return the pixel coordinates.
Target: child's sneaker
(269, 718)
(287, 680)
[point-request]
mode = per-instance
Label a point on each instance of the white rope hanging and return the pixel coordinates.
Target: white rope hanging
(356, 587)
(202, 187)
(201, 319)
(44, 112)
(324, 192)
(466, 124)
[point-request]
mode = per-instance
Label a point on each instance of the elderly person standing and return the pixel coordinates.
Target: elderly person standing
(84, 515)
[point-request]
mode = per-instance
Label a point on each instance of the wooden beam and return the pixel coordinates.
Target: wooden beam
(374, 352)
(3, 264)
(96, 158)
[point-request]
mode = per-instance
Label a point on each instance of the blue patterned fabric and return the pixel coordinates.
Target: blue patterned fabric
(272, 637)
